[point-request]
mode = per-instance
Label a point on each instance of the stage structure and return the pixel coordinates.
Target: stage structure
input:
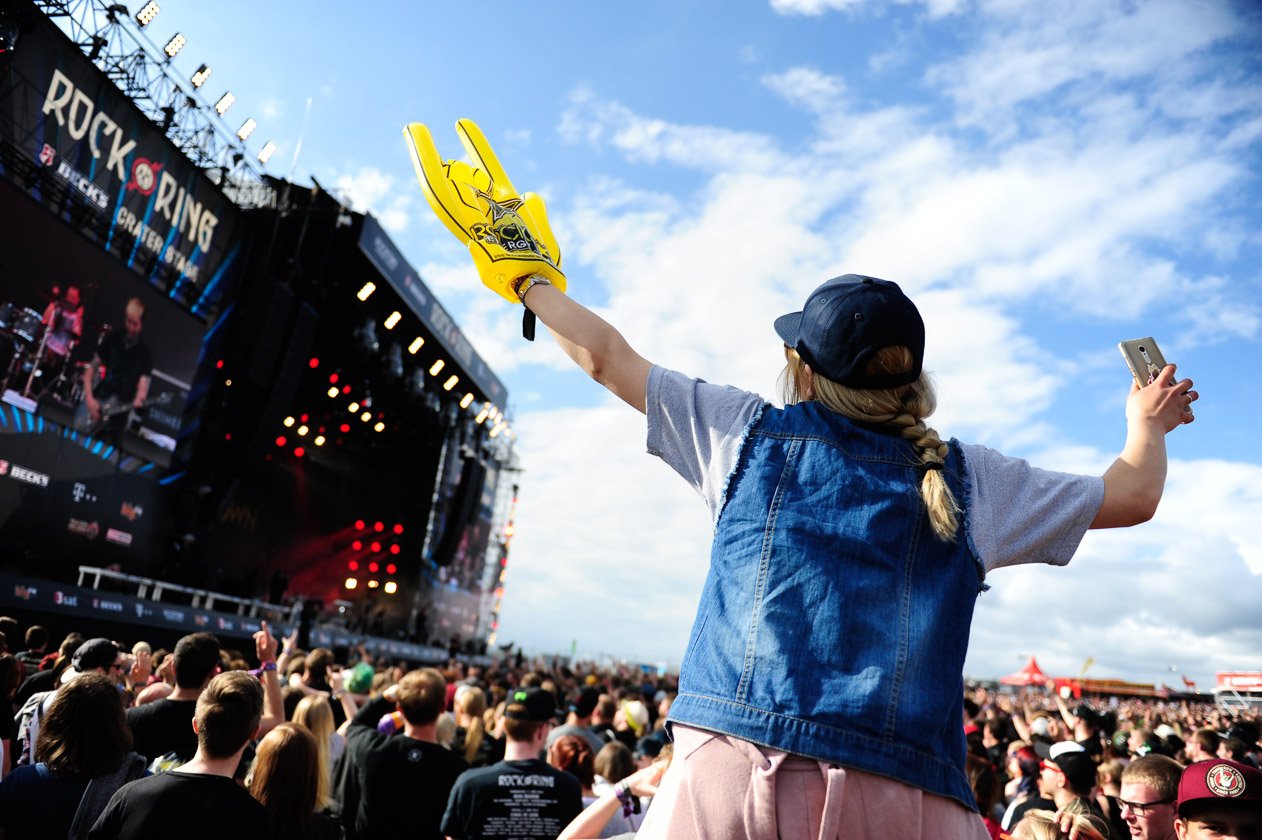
(316, 429)
(352, 444)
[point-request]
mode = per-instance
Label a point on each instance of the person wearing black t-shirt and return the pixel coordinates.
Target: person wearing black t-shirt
(200, 799)
(165, 726)
(403, 779)
(521, 798)
(127, 366)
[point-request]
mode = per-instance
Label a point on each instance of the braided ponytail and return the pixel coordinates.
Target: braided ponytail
(901, 410)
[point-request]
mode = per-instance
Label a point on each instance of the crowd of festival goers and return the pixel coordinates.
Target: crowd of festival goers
(106, 740)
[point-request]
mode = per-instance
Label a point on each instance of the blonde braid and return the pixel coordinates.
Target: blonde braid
(900, 409)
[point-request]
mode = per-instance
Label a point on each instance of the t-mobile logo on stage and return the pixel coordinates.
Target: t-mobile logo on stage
(80, 492)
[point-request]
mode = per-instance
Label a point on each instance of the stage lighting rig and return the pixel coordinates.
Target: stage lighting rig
(436, 367)
(265, 153)
(246, 129)
(466, 400)
(174, 46)
(451, 382)
(417, 344)
(199, 78)
(393, 320)
(225, 102)
(145, 16)
(366, 290)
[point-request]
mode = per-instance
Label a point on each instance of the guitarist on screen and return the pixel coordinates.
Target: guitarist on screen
(126, 365)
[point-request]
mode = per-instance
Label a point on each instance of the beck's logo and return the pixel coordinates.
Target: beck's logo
(1224, 780)
(47, 155)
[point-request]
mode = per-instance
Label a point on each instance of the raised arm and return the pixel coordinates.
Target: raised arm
(592, 343)
(1133, 484)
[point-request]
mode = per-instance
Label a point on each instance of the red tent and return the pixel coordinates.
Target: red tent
(1031, 674)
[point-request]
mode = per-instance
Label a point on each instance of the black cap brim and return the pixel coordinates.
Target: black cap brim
(789, 327)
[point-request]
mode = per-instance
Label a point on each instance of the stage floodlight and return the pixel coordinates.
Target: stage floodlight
(353, 407)
(481, 417)
(246, 129)
(289, 421)
(351, 583)
(366, 416)
(495, 432)
(393, 320)
(319, 440)
(417, 344)
(199, 78)
(224, 103)
(391, 587)
(466, 400)
(436, 367)
(333, 391)
(174, 46)
(145, 16)
(451, 382)
(380, 427)
(265, 153)
(372, 584)
(366, 290)
(302, 431)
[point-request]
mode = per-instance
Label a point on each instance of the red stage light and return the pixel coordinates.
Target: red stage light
(376, 547)
(394, 549)
(302, 419)
(379, 527)
(359, 524)
(299, 452)
(353, 565)
(357, 545)
(345, 427)
(332, 378)
(314, 363)
(391, 569)
(398, 529)
(280, 441)
(228, 436)
(346, 389)
(219, 365)
(373, 567)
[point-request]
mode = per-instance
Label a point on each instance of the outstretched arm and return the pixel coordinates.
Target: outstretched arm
(592, 343)
(1133, 484)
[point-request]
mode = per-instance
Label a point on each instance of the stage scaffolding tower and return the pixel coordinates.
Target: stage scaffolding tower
(112, 40)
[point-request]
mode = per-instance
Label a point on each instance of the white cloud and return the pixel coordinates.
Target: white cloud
(368, 189)
(935, 8)
(807, 87)
(271, 109)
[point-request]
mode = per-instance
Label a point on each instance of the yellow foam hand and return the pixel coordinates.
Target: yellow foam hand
(507, 234)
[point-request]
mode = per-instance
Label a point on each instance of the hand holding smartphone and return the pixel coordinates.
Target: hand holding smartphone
(1144, 358)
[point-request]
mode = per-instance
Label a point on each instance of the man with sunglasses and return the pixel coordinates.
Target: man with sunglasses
(1150, 785)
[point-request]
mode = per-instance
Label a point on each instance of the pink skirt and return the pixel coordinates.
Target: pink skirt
(722, 788)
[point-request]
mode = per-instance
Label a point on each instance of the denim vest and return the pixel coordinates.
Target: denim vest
(833, 623)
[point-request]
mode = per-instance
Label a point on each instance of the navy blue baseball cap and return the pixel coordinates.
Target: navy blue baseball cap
(846, 321)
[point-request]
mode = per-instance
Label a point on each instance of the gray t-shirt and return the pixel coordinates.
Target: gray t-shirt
(1018, 514)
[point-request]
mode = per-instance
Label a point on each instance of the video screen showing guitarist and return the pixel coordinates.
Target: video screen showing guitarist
(125, 364)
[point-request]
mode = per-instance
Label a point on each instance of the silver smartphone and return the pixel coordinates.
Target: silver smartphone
(1144, 358)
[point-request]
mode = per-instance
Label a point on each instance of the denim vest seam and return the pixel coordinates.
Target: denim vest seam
(746, 434)
(876, 743)
(904, 622)
(764, 563)
(894, 460)
(966, 489)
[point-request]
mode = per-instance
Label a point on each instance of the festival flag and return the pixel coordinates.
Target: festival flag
(1189, 683)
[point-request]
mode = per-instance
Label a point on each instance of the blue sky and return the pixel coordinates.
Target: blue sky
(1045, 179)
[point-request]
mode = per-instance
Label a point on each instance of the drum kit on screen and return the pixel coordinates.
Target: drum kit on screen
(39, 360)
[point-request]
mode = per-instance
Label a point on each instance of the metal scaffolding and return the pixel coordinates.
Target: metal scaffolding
(112, 40)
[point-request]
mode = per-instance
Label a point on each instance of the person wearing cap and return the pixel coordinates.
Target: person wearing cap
(1219, 800)
(578, 720)
(850, 544)
(1067, 777)
(100, 656)
(521, 796)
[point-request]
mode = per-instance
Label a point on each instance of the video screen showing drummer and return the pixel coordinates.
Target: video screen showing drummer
(63, 325)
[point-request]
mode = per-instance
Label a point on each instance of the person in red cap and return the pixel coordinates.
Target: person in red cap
(1219, 800)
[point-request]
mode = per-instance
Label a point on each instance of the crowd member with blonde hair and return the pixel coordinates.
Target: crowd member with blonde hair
(313, 712)
(1062, 825)
(850, 541)
(287, 779)
(478, 747)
